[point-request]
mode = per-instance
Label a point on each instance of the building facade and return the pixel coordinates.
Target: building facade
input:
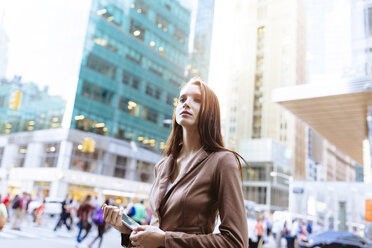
(133, 63)
(327, 204)
(53, 163)
(37, 108)
(266, 51)
(269, 191)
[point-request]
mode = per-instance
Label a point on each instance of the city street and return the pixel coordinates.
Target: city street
(45, 237)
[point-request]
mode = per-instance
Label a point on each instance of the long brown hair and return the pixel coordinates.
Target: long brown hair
(209, 126)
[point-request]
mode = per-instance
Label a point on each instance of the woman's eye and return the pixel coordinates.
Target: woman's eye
(181, 99)
(197, 99)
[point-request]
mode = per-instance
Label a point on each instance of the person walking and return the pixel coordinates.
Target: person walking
(17, 212)
(39, 214)
(3, 214)
(84, 213)
(101, 226)
(65, 213)
(138, 212)
(259, 230)
(197, 180)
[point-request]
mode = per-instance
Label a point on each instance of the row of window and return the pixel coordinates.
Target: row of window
(86, 161)
(99, 94)
(109, 70)
(140, 32)
(258, 93)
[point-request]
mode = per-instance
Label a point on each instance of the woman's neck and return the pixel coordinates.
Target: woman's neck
(191, 141)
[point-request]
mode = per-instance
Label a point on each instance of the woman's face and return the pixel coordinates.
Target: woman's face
(188, 107)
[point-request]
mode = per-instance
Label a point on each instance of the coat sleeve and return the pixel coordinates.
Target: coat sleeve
(233, 228)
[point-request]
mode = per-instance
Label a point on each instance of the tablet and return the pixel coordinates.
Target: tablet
(129, 222)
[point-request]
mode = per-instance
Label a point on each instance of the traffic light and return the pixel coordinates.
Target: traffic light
(15, 100)
(88, 145)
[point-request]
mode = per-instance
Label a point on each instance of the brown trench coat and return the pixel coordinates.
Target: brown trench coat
(209, 185)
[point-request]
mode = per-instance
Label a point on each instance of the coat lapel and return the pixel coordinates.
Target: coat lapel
(163, 176)
(199, 157)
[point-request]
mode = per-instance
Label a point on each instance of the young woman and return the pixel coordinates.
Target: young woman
(197, 180)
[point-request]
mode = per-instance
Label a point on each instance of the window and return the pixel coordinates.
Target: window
(84, 161)
(97, 93)
(21, 156)
(50, 155)
(150, 115)
(135, 83)
(170, 99)
(256, 194)
(101, 66)
(144, 171)
(162, 23)
(141, 7)
(149, 90)
(104, 43)
(179, 35)
(120, 167)
(1, 154)
(153, 91)
(111, 13)
(134, 56)
(167, 122)
(128, 106)
(131, 80)
(369, 21)
(137, 30)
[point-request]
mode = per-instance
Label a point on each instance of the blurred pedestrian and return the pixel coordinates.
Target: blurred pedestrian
(17, 212)
(259, 230)
(268, 226)
(3, 215)
(39, 214)
(277, 232)
(138, 212)
(65, 213)
(309, 228)
(6, 200)
(101, 226)
(84, 214)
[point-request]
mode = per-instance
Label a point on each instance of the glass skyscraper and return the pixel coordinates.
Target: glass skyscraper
(37, 108)
(201, 53)
(133, 63)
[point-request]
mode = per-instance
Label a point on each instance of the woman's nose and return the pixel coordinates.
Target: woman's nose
(186, 103)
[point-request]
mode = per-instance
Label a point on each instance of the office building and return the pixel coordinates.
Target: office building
(202, 41)
(132, 67)
(53, 163)
(266, 51)
(36, 109)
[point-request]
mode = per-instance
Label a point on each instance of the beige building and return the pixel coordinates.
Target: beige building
(264, 47)
(267, 52)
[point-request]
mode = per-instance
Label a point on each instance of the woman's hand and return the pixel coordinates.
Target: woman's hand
(147, 237)
(112, 216)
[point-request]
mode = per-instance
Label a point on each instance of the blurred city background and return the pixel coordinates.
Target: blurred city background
(88, 88)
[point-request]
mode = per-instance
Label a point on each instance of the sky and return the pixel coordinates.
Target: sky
(37, 50)
(42, 54)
